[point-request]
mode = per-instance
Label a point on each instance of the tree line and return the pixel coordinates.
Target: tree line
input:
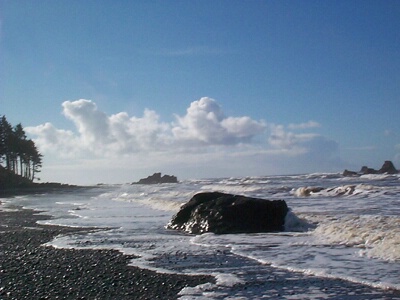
(17, 153)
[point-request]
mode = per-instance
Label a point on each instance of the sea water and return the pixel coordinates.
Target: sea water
(337, 227)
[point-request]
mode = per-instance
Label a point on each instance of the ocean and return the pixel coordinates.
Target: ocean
(337, 227)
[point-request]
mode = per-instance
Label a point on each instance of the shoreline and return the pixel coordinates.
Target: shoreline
(40, 188)
(29, 270)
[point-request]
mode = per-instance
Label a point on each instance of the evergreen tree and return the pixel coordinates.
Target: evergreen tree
(20, 139)
(5, 140)
(17, 153)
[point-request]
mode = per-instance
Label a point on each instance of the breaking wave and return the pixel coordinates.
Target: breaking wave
(375, 236)
(342, 190)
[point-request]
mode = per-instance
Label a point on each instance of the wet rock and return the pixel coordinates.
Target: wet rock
(365, 170)
(348, 173)
(388, 168)
(226, 213)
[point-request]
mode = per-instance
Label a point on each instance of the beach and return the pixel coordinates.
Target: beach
(32, 271)
(110, 242)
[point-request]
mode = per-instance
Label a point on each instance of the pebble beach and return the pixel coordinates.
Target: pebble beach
(29, 270)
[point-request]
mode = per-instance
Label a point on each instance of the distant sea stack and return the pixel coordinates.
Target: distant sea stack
(387, 168)
(157, 178)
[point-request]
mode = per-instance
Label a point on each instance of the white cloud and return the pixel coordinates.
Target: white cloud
(242, 127)
(307, 147)
(92, 124)
(55, 141)
(203, 142)
(138, 133)
(205, 123)
(115, 134)
(285, 140)
(103, 135)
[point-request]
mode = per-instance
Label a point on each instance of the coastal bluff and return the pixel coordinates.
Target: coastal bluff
(156, 178)
(223, 213)
(387, 168)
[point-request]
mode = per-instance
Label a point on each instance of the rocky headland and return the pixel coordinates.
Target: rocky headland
(12, 184)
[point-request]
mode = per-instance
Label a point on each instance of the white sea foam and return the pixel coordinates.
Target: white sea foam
(294, 223)
(377, 236)
(306, 191)
(346, 228)
(365, 190)
(232, 188)
(154, 202)
(379, 176)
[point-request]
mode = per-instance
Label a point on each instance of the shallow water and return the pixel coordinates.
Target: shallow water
(346, 228)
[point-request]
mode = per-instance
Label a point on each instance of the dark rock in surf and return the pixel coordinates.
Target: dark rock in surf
(157, 178)
(225, 213)
(387, 168)
(365, 170)
(348, 173)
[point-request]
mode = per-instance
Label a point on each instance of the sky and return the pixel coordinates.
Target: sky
(113, 91)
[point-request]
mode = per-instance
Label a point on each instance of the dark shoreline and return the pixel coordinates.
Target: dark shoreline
(40, 188)
(31, 271)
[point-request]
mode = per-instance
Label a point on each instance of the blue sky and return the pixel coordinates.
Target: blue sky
(112, 91)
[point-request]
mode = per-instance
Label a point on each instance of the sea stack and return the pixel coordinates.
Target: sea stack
(387, 168)
(156, 178)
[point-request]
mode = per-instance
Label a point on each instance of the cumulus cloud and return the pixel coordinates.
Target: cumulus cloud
(201, 140)
(92, 124)
(103, 135)
(115, 134)
(132, 134)
(52, 140)
(205, 123)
